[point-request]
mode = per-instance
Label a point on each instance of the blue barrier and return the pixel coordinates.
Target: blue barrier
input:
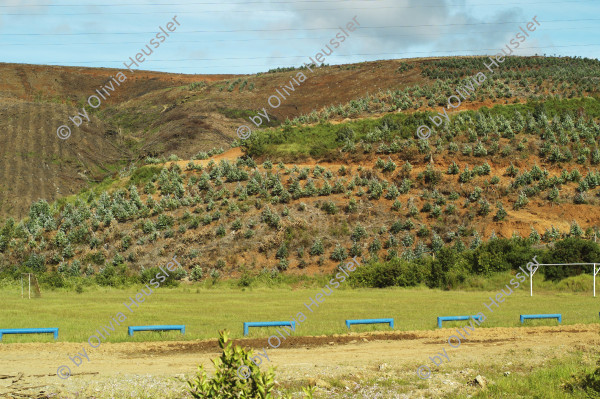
(453, 318)
(268, 324)
(370, 321)
(131, 329)
(541, 316)
(29, 331)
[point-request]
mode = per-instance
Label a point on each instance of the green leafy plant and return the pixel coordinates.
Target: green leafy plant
(227, 382)
(589, 383)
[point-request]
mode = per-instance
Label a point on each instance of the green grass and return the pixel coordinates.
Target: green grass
(130, 120)
(237, 113)
(546, 382)
(204, 311)
(245, 114)
(552, 107)
(143, 175)
(319, 140)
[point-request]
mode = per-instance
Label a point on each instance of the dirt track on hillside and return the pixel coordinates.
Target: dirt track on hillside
(299, 358)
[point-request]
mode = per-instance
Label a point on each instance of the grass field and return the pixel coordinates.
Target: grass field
(538, 369)
(204, 311)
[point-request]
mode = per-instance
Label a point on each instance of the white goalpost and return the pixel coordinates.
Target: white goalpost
(31, 279)
(532, 267)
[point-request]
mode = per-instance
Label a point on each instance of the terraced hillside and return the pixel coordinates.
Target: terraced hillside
(348, 180)
(158, 114)
(499, 173)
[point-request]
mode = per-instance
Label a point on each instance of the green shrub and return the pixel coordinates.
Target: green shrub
(330, 207)
(179, 273)
(246, 278)
(453, 169)
(352, 206)
(36, 263)
(466, 175)
(589, 383)
(317, 248)
(345, 133)
(359, 233)
(521, 201)
(569, 250)
(197, 273)
(283, 265)
(53, 280)
(112, 276)
(501, 213)
(220, 264)
(148, 274)
(339, 253)
(196, 85)
(97, 257)
(164, 221)
(236, 225)
(282, 252)
(227, 383)
(396, 272)
(431, 176)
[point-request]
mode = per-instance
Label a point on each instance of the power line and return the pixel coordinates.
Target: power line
(182, 4)
(275, 2)
(255, 11)
(290, 38)
(203, 11)
(293, 29)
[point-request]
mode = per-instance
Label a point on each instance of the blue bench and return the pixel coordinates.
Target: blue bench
(453, 318)
(29, 331)
(131, 329)
(541, 316)
(268, 324)
(370, 321)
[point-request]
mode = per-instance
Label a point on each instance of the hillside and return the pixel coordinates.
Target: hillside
(159, 114)
(343, 176)
(152, 114)
(34, 102)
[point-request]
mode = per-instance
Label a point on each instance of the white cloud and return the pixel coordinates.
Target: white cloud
(427, 28)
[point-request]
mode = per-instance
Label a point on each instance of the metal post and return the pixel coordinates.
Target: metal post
(532, 270)
(21, 286)
(594, 280)
(29, 285)
(531, 283)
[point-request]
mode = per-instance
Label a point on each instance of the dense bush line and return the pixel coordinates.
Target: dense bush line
(450, 267)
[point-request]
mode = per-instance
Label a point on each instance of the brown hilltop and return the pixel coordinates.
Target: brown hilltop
(151, 113)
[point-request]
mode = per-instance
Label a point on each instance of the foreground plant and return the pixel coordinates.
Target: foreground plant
(589, 383)
(227, 382)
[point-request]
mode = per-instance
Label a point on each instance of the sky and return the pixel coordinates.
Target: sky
(244, 37)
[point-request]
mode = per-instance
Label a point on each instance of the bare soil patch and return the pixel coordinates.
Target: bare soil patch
(299, 358)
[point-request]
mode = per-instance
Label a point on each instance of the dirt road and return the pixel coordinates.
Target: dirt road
(345, 358)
